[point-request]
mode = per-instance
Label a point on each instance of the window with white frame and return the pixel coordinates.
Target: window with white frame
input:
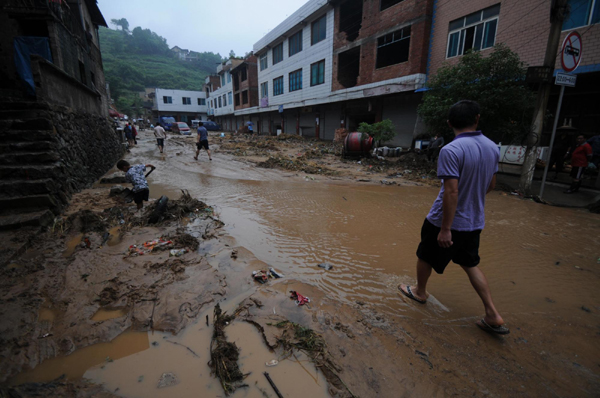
(186, 100)
(264, 90)
(222, 80)
(230, 97)
(582, 13)
(278, 86)
(393, 48)
(264, 62)
(201, 101)
(228, 77)
(225, 100)
(476, 31)
(278, 53)
(167, 100)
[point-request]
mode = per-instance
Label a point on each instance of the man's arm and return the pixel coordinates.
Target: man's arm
(149, 165)
(492, 185)
(449, 203)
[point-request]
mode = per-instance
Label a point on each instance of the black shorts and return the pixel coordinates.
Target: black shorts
(202, 144)
(140, 196)
(577, 172)
(160, 141)
(464, 250)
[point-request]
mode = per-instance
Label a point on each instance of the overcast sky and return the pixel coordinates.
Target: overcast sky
(203, 25)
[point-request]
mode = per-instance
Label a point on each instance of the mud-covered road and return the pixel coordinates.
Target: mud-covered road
(543, 264)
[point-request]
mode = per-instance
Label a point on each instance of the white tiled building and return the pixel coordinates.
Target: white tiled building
(337, 64)
(183, 105)
(220, 100)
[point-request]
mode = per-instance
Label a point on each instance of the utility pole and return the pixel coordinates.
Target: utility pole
(558, 12)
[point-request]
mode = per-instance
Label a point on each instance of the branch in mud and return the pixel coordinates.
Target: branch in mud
(224, 355)
(298, 337)
(184, 346)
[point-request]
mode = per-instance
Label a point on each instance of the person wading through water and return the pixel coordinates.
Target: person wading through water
(467, 167)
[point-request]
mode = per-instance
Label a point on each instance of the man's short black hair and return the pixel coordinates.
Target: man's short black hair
(121, 164)
(463, 114)
(200, 124)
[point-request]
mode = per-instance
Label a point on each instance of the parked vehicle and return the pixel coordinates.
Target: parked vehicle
(195, 123)
(166, 122)
(181, 128)
(211, 126)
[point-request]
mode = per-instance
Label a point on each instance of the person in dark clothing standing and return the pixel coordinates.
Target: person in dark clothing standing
(202, 141)
(434, 149)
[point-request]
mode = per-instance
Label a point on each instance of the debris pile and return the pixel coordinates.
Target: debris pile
(295, 165)
(224, 354)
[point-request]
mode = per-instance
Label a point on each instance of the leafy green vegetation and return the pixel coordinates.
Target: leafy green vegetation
(141, 58)
(381, 131)
(495, 81)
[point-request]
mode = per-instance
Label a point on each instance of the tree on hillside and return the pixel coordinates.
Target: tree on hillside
(231, 54)
(495, 81)
(123, 23)
(145, 41)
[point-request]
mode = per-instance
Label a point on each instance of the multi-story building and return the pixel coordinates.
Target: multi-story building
(245, 84)
(337, 64)
(183, 105)
(524, 26)
(221, 99)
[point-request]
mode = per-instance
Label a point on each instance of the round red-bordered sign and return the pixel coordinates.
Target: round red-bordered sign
(571, 51)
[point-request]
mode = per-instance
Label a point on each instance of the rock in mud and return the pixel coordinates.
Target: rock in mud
(167, 380)
(116, 190)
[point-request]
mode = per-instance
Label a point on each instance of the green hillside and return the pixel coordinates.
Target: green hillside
(134, 60)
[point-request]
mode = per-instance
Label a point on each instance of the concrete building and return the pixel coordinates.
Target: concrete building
(337, 64)
(183, 105)
(524, 26)
(221, 98)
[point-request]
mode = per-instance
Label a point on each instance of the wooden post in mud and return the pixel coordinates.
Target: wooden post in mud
(298, 121)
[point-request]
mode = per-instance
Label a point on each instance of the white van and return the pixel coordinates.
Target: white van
(195, 123)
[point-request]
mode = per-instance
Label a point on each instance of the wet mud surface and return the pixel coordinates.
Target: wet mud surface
(121, 325)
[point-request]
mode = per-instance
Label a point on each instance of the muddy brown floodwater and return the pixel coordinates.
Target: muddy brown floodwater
(543, 264)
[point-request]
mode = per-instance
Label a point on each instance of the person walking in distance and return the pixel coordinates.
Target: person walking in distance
(580, 158)
(467, 167)
(202, 141)
(160, 135)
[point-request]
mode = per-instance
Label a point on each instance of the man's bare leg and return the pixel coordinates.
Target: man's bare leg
(480, 284)
(423, 274)
(209, 157)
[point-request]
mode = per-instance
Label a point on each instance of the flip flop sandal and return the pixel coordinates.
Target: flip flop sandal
(410, 295)
(492, 329)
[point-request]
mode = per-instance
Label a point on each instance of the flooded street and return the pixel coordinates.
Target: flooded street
(543, 264)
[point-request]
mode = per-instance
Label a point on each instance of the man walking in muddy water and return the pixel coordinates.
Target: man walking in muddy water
(467, 167)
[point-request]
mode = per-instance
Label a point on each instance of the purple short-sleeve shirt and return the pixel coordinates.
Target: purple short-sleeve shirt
(472, 158)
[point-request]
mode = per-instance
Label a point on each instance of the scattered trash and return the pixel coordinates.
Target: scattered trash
(109, 359)
(159, 209)
(347, 199)
(548, 299)
(222, 135)
(177, 252)
(386, 182)
(105, 238)
(167, 380)
(299, 299)
(325, 266)
(150, 246)
(272, 362)
(155, 343)
(85, 243)
(260, 276)
(140, 379)
(45, 335)
(586, 309)
(234, 254)
(275, 274)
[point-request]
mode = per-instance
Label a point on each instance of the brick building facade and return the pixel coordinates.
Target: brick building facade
(245, 84)
(524, 27)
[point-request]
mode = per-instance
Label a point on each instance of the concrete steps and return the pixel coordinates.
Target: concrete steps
(12, 188)
(37, 157)
(42, 218)
(28, 204)
(29, 171)
(27, 146)
(15, 136)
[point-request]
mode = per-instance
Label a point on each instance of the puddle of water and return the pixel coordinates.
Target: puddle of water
(294, 377)
(75, 365)
(72, 244)
(115, 236)
(104, 314)
(46, 315)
